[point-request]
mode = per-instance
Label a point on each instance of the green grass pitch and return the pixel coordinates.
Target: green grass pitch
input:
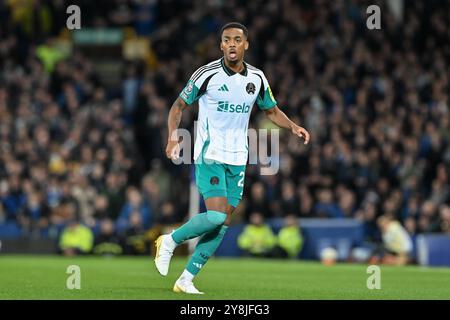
(44, 277)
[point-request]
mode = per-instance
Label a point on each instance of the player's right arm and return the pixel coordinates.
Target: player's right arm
(175, 113)
(194, 89)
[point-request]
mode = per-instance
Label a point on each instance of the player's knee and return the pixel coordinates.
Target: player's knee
(229, 212)
(216, 217)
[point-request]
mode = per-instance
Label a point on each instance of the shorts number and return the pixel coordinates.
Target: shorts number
(241, 181)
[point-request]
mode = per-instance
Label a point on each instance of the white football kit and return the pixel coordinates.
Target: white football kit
(225, 100)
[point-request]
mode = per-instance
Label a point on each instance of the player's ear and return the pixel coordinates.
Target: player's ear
(246, 44)
(221, 46)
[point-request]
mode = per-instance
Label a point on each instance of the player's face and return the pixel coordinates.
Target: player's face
(233, 44)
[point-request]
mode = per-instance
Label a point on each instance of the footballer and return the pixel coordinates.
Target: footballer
(226, 89)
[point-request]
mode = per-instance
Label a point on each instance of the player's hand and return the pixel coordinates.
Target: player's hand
(173, 150)
(301, 132)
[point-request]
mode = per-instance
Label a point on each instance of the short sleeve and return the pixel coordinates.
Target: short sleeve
(196, 86)
(190, 93)
(265, 100)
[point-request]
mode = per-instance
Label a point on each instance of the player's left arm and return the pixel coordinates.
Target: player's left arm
(268, 104)
(281, 119)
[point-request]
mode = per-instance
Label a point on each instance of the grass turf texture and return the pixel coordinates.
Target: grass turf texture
(44, 277)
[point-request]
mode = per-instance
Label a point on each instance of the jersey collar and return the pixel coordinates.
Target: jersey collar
(230, 72)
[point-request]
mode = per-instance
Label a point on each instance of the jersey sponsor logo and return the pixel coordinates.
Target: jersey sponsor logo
(250, 88)
(225, 106)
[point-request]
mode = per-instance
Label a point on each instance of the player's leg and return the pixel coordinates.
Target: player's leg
(209, 242)
(234, 178)
(202, 223)
(206, 247)
(235, 185)
(211, 181)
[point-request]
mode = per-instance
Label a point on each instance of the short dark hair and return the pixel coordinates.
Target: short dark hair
(236, 25)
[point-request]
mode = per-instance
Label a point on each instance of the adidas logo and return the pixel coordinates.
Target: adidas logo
(198, 265)
(224, 88)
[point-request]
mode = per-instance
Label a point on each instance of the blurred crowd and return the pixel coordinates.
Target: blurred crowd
(375, 102)
(67, 152)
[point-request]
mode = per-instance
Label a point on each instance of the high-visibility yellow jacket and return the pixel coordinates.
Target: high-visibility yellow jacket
(79, 237)
(291, 240)
(257, 239)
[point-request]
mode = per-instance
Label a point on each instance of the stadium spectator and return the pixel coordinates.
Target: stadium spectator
(135, 240)
(257, 239)
(442, 222)
(326, 207)
(290, 239)
(107, 242)
(135, 204)
(34, 218)
(257, 200)
(76, 239)
(101, 207)
(397, 245)
(167, 214)
(114, 190)
(12, 197)
(288, 201)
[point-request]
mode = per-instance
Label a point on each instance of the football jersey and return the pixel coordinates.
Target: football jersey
(226, 99)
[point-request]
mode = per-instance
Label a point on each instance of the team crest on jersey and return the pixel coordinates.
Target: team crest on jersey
(250, 88)
(214, 180)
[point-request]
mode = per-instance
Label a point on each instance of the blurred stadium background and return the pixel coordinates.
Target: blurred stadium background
(83, 122)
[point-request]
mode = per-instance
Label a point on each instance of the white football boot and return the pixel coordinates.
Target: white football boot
(164, 252)
(185, 286)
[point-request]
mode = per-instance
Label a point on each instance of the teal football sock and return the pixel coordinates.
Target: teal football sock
(199, 225)
(205, 248)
